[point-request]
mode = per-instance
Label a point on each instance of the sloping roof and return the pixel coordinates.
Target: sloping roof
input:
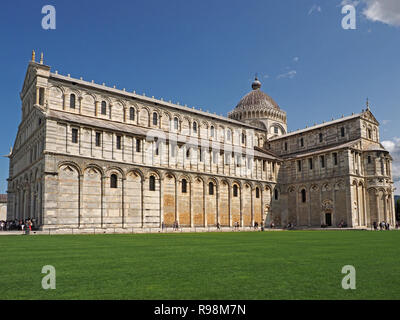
(307, 153)
(161, 103)
(354, 116)
(95, 122)
(135, 130)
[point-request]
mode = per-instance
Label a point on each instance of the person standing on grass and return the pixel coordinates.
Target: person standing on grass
(218, 226)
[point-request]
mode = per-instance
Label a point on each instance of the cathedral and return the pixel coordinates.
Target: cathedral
(91, 156)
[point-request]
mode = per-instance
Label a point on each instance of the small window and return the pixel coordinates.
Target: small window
(299, 167)
(195, 127)
(155, 118)
(98, 139)
(303, 195)
(176, 123)
(286, 146)
(235, 190)
(228, 135)
(243, 138)
(119, 142)
(302, 142)
(184, 186)
(215, 157)
(41, 96)
(173, 150)
(276, 130)
(200, 155)
(211, 188)
(188, 153)
(72, 101)
(322, 158)
(369, 159)
(152, 183)
(342, 131)
(321, 137)
(276, 194)
(113, 181)
(74, 135)
(227, 158)
(369, 134)
(131, 113)
(335, 159)
(103, 108)
(257, 193)
(137, 145)
(157, 148)
(310, 163)
(212, 131)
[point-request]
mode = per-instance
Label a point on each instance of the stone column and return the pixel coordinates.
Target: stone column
(80, 105)
(377, 207)
(96, 108)
(252, 205)
(204, 203)
(64, 101)
(229, 204)
(241, 206)
(81, 206)
(123, 201)
(191, 203)
(103, 181)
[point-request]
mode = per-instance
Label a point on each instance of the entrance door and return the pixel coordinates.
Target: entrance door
(328, 219)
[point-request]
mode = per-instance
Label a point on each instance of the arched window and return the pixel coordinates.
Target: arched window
(211, 188)
(195, 127)
(321, 137)
(103, 107)
(72, 101)
(155, 118)
(212, 131)
(235, 190)
(113, 181)
(152, 183)
(257, 193)
(184, 186)
(176, 123)
(276, 194)
(303, 195)
(131, 113)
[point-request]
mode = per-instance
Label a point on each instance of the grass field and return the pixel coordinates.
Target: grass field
(241, 265)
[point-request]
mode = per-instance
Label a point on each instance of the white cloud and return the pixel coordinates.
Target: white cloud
(296, 59)
(291, 74)
(393, 146)
(266, 76)
(385, 122)
(385, 11)
(354, 3)
(314, 8)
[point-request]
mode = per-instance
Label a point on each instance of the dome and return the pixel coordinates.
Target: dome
(256, 99)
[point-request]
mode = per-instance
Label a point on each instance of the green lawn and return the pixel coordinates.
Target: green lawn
(241, 265)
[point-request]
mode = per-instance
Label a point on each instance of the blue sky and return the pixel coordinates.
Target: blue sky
(205, 54)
